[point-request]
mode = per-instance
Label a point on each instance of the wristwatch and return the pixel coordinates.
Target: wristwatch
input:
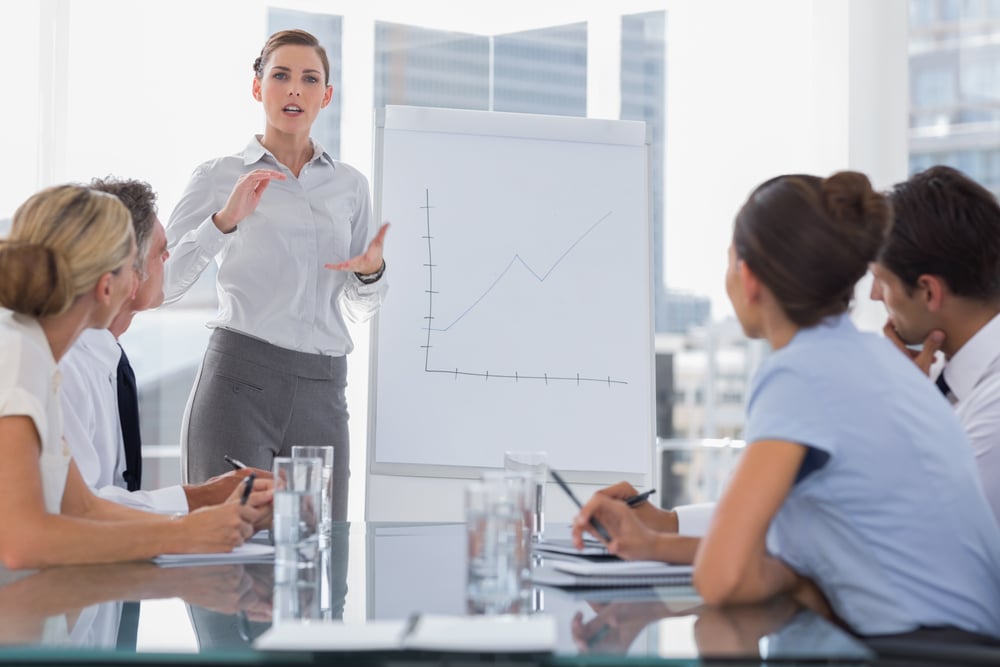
(369, 278)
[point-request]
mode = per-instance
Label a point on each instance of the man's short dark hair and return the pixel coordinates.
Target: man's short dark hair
(946, 225)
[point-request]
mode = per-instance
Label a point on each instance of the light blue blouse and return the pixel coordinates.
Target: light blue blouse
(888, 516)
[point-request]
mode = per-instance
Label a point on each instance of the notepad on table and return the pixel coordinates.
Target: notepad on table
(248, 552)
(464, 634)
(610, 573)
(558, 545)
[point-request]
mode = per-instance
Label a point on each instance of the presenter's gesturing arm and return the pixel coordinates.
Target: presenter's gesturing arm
(365, 287)
(200, 223)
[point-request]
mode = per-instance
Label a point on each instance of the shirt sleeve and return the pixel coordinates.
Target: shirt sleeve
(17, 402)
(79, 427)
(168, 500)
(359, 301)
(980, 419)
(785, 405)
(693, 520)
(192, 237)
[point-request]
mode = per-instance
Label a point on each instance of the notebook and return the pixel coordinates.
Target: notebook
(610, 573)
(557, 545)
(463, 634)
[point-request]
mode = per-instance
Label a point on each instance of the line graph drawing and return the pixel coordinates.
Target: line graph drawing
(539, 276)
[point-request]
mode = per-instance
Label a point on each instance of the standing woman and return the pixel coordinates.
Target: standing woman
(68, 264)
(289, 228)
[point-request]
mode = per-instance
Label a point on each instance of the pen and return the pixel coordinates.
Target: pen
(411, 626)
(248, 488)
(236, 463)
(597, 526)
(639, 498)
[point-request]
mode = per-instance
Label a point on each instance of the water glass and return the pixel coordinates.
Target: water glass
(497, 557)
(325, 453)
(534, 466)
(297, 590)
(297, 511)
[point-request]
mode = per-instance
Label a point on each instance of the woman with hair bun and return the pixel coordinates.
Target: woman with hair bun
(298, 255)
(857, 492)
(69, 264)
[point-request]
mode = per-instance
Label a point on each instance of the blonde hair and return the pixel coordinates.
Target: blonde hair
(62, 240)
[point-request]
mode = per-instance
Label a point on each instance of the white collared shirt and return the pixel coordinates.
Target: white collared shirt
(93, 428)
(29, 386)
(973, 375)
(272, 284)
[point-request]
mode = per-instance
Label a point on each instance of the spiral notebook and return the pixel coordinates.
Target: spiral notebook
(580, 573)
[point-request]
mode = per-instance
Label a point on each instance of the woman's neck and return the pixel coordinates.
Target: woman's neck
(62, 330)
(777, 329)
(293, 151)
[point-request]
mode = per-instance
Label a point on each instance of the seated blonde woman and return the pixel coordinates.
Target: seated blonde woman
(68, 264)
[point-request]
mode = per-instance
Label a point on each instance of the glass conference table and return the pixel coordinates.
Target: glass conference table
(211, 614)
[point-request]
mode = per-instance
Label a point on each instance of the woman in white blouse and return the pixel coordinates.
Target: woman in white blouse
(288, 226)
(68, 264)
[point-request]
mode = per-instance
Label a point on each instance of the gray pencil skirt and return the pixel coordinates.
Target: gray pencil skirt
(254, 401)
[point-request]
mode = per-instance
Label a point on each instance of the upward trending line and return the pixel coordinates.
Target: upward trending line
(517, 258)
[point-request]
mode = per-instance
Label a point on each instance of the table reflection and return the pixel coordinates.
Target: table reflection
(387, 572)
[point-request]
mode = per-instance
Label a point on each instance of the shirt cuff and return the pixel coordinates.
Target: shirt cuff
(693, 520)
(210, 238)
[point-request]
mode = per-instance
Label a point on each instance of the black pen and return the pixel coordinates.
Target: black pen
(248, 488)
(236, 463)
(597, 526)
(639, 498)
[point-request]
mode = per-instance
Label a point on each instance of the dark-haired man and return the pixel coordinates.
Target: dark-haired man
(938, 274)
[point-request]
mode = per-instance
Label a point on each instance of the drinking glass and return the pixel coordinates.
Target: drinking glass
(325, 453)
(533, 465)
(497, 557)
(297, 511)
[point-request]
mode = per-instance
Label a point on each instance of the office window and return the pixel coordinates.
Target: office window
(542, 71)
(430, 68)
(955, 87)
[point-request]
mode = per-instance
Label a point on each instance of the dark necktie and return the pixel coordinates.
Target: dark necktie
(128, 627)
(942, 384)
(128, 414)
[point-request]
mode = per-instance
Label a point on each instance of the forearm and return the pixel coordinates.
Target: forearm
(54, 539)
(193, 252)
(764, 579)
(676, 548)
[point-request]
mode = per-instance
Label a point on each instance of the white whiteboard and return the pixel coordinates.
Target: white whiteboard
(519, 309)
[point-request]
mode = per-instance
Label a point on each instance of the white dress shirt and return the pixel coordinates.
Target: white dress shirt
(29, 387)
(973, 375)
(93, 428)
(272, 284)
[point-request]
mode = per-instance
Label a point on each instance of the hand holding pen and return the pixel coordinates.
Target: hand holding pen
(594, 523)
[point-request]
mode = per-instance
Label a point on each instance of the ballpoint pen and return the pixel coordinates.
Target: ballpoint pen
(248, 488)
(639, 498)
(236, 463)
(595, 524)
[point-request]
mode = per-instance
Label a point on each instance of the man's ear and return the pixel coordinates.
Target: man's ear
(933, 291)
